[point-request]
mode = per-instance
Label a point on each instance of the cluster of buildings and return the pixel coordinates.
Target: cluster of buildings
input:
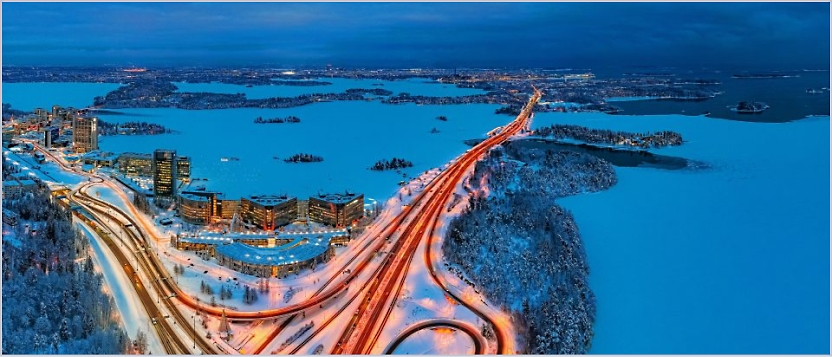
(59, 128)
(197, 205)
(264, 254)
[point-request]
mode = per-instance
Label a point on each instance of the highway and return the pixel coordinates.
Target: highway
(471, 331)
(385, 282)
(358, 338)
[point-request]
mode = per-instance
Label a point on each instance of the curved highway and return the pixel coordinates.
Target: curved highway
(471, 331)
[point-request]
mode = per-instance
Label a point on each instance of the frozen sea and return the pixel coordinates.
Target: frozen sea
(350, 136)
(732, 259)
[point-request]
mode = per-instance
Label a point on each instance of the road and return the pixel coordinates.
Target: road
(359, 336)
(425, 209)
(471, 331)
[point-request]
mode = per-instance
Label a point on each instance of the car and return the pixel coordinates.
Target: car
(205, 272)
(192, 264)
(153, 319)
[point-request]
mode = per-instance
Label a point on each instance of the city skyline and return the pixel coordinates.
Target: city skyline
(757, 35)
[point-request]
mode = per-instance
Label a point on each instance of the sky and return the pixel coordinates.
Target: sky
(404, 35)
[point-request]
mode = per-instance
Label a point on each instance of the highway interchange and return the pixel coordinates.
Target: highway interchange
(375, 285)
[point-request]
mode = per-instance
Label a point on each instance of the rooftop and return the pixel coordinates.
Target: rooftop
(337, 197)
(296, 251)
(192, 197)
(269, 200)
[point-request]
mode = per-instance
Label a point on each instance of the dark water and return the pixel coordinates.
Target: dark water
(617, 157)
(786, 97)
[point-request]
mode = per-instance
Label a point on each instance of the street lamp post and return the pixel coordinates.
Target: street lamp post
(194, 318)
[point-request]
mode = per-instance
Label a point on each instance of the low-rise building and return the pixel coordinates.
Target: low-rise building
(268, 211)
(339, 210)
(100, 159)
(135, 164)
(194, 209)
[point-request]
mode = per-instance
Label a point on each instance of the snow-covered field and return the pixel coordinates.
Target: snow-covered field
(735, 255)
(441, 341)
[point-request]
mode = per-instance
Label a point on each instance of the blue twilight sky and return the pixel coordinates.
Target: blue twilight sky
(749, 35)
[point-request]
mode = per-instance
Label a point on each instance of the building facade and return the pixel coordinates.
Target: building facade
(164, 173)
(85, 134)
(50, 135)
(267, 211)
(183, 168)
(134, 164)
(194, 209)
(337, 210)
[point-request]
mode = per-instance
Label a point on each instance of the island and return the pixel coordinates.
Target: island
(131, 128)
(604, 136)
(392, 164)
(289, 119)
(302, 157)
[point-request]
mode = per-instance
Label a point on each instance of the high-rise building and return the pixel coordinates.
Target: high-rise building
(50, 135)
(183, 168)
(85, 134)
(55, 109)
(164, 173)
(337, 210)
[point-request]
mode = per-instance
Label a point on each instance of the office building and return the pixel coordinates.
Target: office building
(268, 211)
(50, 135)
(337, 210)
(194, 209)
(133, 164)
(85, 134)
(183, 168)
(164, 173)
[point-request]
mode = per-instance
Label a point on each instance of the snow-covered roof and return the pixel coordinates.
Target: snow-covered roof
(218, 238)
(269, 200)
(337, 197)
(299, 250)
(98, 155)
(193, 197)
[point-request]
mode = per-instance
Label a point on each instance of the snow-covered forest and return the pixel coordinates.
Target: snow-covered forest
(523, 251)
(53, 301)
(604, 136)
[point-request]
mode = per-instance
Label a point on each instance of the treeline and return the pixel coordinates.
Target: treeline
(524, 252)
(9, 112)
(131, 128)
(392, 164)
(53, 301)
(301, 157)
(604, 136)
(289, 119)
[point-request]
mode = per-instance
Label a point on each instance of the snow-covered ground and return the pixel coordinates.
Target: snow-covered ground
(439, 341)
(133, 315)
(724, 244)
(48, 171)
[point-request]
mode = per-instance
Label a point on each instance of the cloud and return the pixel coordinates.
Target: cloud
(397, 34)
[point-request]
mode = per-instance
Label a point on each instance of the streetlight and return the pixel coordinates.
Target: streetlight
(194, 331)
